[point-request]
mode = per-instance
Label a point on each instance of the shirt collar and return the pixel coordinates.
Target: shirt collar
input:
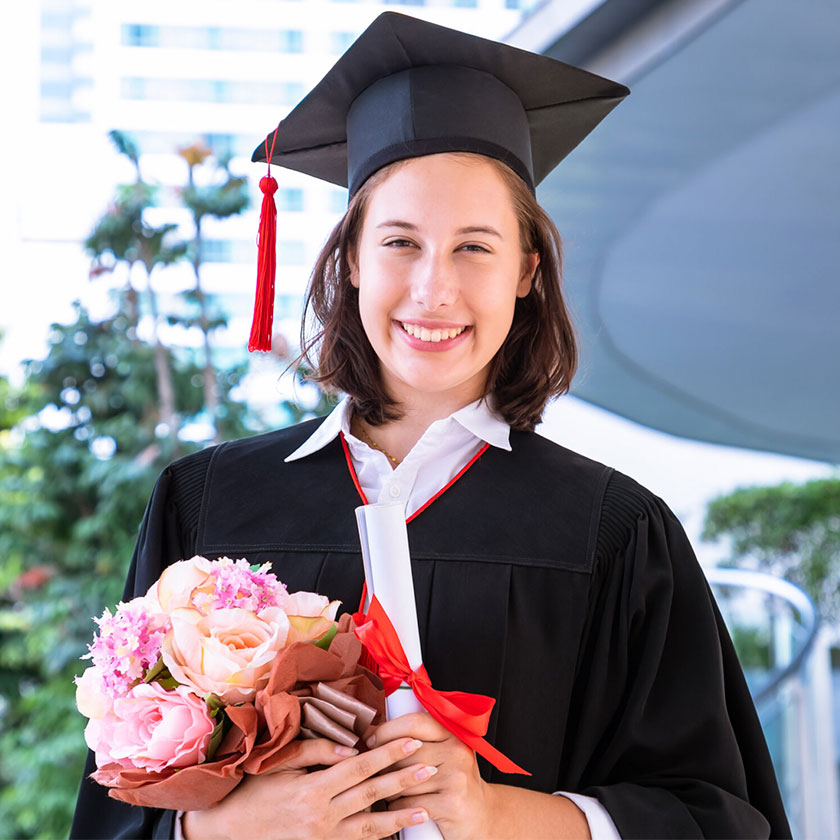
(478, 418)
(338, 420)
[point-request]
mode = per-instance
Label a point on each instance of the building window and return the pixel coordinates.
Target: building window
(338, 201)
(288, 306)
(221, 91)
(133, 88)
(292, 93)
(216, 250)
(214, 38)
(58, 90)
(212, 90)
(291, 41)
(222, 145)
(340, 41)
(289, 200)
(290, 252)
(140, 35)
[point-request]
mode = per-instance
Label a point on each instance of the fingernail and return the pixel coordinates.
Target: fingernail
(419, 817)
(425, 772)
(342, 750)
(371, 741)
(412, 746)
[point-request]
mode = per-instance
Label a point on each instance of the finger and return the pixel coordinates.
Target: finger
(433, 752)
(420, 725)
(433, 785)
(317, 751)
(380, 823)
(349, 773)
(431, 803)
(381, 787)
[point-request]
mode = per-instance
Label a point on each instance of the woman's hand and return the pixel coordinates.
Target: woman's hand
(465, 806)
(291, 802)
(455, 796)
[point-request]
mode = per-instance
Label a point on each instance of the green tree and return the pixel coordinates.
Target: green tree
(81, 448)
(122, 236)
(81, 443)
(791, 530)
(223, 195)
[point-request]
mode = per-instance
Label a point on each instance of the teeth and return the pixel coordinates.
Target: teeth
(425, 334)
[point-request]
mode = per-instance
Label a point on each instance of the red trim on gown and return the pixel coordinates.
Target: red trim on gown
(419, 510)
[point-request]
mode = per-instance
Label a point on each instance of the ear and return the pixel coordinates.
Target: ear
(530, 263)
(354, 266)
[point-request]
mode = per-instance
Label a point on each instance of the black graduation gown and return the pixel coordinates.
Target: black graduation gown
(544, 579)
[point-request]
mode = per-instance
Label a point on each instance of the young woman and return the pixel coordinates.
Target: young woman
(552, 583)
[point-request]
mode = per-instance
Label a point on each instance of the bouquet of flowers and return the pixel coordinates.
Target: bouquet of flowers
(215, 672)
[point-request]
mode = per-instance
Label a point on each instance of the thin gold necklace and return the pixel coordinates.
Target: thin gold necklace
(371, 442)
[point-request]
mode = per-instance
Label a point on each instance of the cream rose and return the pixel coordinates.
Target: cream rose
(91, 693)
(312, 605)
(180, 581)
(310, 616)
(228, 653)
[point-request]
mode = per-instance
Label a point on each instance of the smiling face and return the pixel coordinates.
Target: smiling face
(439, 266)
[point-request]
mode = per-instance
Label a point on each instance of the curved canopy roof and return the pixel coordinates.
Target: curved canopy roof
(702, 229)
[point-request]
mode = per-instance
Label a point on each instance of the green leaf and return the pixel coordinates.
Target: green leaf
(157, 670)
(216, 738)
(325, 640)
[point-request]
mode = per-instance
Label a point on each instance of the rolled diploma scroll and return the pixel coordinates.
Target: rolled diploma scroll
(384, 541)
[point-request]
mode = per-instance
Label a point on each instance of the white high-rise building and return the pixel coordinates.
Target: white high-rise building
(171, 73)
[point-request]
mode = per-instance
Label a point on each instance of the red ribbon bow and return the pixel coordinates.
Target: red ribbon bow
(465, 715)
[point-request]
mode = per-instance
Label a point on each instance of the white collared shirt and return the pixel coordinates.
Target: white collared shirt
(440, 454)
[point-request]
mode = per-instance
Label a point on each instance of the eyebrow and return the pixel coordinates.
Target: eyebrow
(398, 223)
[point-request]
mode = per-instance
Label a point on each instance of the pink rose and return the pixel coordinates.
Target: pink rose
(228, 653)
(152, 729)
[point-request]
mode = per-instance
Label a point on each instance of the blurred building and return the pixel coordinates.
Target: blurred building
(173, 73)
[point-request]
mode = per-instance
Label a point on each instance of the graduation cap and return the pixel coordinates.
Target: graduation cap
(407, 88)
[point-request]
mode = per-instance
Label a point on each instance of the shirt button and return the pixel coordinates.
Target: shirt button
(394, 491)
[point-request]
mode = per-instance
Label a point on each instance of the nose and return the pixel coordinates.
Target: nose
(434, 284)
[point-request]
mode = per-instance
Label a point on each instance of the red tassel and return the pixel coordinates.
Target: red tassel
(266, 269)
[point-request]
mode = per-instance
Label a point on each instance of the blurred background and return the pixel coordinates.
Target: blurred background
(702, 244)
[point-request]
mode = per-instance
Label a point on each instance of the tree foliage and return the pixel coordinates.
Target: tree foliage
(791, 530)
(81, 443)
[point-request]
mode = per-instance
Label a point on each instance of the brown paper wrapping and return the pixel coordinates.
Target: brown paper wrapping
(264, 735)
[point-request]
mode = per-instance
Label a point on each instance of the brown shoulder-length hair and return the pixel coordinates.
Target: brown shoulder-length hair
(536, 362)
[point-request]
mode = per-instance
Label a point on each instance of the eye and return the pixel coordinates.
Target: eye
(399, 243)
(475, 248)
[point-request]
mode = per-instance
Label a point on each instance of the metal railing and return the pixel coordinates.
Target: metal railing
(784, 652)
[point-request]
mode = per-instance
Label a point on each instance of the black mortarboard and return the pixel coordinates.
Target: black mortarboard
(407, 88)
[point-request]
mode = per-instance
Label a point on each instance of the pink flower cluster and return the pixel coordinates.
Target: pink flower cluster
(127, 645)
(207, 630)
(237, 585)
